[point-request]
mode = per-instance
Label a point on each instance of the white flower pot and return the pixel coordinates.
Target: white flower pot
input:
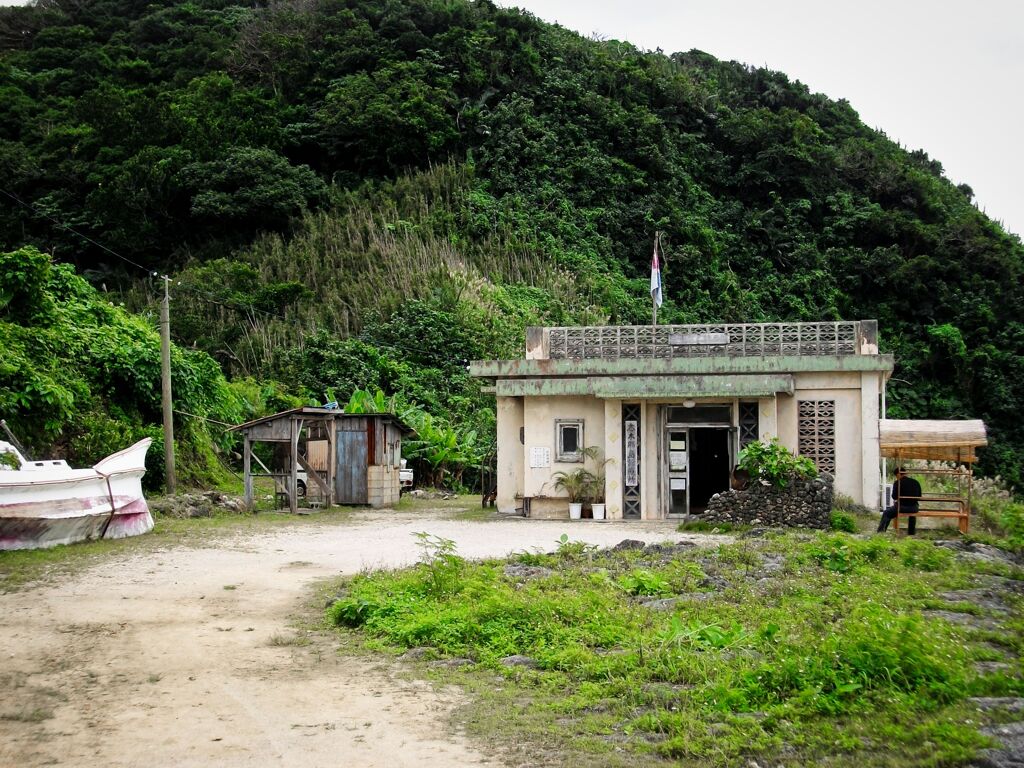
(576, 511)
(598, 511)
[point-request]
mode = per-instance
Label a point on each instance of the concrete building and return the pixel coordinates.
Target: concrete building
(669, 407)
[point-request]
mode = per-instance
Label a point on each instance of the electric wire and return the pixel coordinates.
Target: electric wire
(153, 273)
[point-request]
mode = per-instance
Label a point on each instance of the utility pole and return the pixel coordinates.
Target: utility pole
(165, 376)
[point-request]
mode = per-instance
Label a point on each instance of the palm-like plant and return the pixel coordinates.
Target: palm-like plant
(577, 484)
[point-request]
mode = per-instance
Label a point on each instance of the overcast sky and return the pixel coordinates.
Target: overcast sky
(945, 76)
(940, 75)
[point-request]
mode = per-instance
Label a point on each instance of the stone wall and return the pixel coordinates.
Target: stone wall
(801, 504)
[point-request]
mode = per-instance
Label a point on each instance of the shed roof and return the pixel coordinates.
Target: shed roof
(933, 440)
(323, 413)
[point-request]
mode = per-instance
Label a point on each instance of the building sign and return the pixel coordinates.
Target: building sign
(540, 457)
(631, 458)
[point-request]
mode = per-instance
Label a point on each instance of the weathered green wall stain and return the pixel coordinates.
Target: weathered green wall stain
(662, 386)
(688, 366)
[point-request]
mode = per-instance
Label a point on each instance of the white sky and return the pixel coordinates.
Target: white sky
(945, 76)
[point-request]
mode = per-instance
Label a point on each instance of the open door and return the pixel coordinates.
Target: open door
(710, 465)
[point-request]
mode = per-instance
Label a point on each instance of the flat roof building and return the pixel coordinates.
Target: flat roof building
(661, 412)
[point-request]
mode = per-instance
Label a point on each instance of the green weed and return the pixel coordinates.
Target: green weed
(814, 664)
(843, 521)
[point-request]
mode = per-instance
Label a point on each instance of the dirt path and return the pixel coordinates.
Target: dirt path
(181, 656)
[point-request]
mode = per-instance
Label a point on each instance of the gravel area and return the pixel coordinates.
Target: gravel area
(189, 656)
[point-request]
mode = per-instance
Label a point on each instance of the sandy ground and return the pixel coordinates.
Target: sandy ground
(148, 660)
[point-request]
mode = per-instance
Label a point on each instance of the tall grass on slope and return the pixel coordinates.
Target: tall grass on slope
(376, 248)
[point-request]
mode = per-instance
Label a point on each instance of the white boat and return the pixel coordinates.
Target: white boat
(46, 503)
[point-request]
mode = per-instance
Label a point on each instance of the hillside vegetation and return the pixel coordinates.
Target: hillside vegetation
(369, 193)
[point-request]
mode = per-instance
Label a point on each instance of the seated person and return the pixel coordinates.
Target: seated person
(906, 492)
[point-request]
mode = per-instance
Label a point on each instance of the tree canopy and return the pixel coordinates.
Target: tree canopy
(448, 147)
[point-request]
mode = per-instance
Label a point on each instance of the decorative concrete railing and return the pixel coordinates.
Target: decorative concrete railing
(859, 337)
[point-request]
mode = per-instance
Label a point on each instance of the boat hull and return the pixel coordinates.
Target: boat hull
(45, 509)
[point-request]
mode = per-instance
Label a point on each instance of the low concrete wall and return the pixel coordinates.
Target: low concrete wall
(383, 486)
(801, 504)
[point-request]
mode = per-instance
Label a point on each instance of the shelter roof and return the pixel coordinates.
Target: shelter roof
(932, 440)
(311, 412)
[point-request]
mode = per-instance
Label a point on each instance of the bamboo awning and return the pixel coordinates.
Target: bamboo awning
(932, 440)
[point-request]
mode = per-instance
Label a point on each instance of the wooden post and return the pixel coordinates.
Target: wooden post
(293, 477)
(332, 460)
(165, 380)
(965, 522)
(247, 471)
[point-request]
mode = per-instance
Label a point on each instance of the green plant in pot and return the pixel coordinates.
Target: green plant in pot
(595, 494)
(577, 485)
(584, 486)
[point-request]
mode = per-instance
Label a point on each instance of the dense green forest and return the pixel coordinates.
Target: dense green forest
(368, 193)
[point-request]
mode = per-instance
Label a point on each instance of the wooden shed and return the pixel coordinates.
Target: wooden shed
(347, 458)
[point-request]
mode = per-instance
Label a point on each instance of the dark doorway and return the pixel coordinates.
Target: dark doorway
(709, 465)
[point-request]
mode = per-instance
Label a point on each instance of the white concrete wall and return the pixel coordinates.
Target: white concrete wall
(870, 392)
(651, 471)
(857, 475)
(539, 415)
(767, 418)
(845, 389)
(613, 456)
(510, 454)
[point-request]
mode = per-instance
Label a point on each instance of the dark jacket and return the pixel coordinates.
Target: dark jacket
(905, 492)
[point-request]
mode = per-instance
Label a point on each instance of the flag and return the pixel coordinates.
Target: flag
(656, 276)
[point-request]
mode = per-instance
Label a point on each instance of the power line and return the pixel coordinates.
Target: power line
(71, 229)
(188, 288)
(154, 273)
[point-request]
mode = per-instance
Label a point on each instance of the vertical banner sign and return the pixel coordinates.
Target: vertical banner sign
(631, 458)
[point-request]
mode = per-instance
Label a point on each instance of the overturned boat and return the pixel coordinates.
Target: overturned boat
(46, 503)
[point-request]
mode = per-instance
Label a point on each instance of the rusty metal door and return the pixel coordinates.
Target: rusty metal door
(351, 476)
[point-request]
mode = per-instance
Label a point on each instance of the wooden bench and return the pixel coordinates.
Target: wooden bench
(960, 511)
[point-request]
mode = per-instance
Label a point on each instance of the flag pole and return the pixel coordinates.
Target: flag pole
(654, 298)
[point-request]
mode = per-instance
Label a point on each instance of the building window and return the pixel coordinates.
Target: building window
(569, 438)
(817, 433)
(749, 426)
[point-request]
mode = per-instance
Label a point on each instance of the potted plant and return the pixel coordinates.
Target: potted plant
(595, 493)
(576, 485)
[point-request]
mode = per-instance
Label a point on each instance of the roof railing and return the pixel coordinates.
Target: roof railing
(851, 337)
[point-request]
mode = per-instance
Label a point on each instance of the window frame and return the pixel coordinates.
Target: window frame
(569, 457)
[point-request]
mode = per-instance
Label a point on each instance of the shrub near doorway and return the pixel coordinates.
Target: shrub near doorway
(773, 462)
(786, 491)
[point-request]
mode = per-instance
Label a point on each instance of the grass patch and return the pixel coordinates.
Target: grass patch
(703, 526)
(461, 507)
(796, 649)
(34, 715)
(278, 640)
